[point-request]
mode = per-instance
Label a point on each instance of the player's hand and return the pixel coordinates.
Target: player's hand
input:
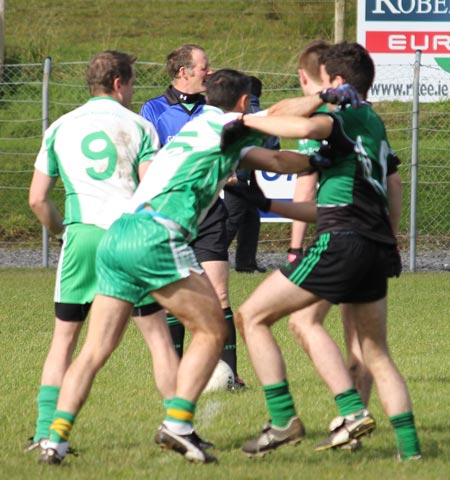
(252, 194)
(258, 197)
(342, 95)
(59, 237)
(393, 262)
(322, 158)
(294, 254)
(232, 132)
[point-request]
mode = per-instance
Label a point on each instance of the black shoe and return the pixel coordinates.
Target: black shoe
(238, 385)
(203, 443)
(190, 446)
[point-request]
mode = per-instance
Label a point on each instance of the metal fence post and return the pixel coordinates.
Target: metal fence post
(45, 100)
(414, 164)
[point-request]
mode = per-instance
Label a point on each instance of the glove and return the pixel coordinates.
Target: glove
(322, 158)
(294, 254)
(59, 237)
(252, 194)
(393, 262)
(257, 196)
(232, 132)
(342, 95)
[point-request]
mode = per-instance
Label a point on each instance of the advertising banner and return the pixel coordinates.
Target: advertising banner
(392, 31)
(279, 187)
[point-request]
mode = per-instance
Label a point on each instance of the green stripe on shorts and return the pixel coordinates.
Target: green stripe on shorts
(311, 260)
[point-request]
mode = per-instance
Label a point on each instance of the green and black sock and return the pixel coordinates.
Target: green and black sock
(405, 435)
(177, 331)
(279, 403)
(229, 351)
(349, 402)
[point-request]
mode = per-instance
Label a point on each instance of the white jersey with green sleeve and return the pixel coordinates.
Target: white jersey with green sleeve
(96, 149)
(187, 175)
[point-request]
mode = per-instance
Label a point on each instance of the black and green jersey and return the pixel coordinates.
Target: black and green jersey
(308, 146)
(352, 192)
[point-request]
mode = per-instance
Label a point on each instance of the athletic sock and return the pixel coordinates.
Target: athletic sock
(61, 426)
(405, 435)
(180, 415)
(229, 351)
(349, 402)
(279, 403)
(46, 402)
(177, 333)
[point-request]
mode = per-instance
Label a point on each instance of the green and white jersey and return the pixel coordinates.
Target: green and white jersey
(352, 192)
(96, 150)
(187, 175)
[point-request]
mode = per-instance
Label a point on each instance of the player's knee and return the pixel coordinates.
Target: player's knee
(296, 331)
(246, 319)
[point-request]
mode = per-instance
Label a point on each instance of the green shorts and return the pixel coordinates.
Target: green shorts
(76, 280)
(140, 253)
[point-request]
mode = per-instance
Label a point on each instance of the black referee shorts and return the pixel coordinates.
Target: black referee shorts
(211, 243)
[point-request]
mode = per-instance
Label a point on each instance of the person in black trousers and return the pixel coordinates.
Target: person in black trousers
(243, 220)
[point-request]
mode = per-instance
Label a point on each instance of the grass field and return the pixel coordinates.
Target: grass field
(114, 432)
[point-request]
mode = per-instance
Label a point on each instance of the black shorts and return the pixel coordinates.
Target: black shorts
(211, 243)
(344, 267)
(72, 312)
(145, 310)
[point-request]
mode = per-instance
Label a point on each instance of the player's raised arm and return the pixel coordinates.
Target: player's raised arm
(304, 106)
(341, 95)
(291, 126)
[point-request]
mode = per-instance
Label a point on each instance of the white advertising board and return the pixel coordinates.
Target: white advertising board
(392, 31)
(276, 186)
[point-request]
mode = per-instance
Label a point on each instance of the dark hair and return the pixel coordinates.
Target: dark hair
(181, 57)
(353, 63)
(105, 67)
(309, 58)
(255, 86)
(225, 87)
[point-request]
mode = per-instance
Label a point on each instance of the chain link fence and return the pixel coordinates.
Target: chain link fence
(24, 115)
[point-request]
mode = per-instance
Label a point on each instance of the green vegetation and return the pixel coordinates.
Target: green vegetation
(114, 432)
(244, 34)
